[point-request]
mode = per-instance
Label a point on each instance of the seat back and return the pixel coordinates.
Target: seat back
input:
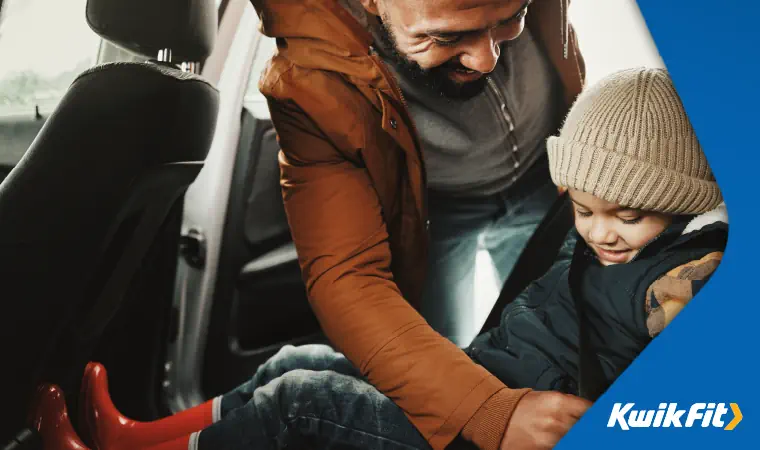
(98, 185)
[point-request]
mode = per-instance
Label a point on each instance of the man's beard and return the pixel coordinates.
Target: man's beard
(436, 79)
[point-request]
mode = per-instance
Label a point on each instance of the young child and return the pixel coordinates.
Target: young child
(652, 226)
(649, 231)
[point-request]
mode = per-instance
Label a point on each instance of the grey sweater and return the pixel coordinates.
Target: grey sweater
(485, 144)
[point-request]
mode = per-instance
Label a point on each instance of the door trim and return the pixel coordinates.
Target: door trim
(205, 211)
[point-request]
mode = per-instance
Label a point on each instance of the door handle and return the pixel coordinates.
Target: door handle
(192, 247)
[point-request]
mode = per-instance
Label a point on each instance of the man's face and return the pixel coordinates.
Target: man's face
(615, 234)
(449, 45)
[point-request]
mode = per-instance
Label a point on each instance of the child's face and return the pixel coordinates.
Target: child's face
(615, 233)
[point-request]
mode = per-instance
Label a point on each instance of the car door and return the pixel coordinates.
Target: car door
(259, 303)
(239, 295)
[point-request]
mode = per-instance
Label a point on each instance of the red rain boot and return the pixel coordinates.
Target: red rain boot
(108, 429)
(50, 418)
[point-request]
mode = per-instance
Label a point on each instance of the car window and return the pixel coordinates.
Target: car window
(44, 45)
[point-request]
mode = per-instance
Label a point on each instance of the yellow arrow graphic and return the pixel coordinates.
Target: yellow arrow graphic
(737, 417)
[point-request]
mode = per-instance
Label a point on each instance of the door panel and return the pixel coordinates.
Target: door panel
(260, 300)
(264, 218)
(239, 296)
(271, 288)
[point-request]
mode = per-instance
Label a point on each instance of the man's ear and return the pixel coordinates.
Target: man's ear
(371, 6)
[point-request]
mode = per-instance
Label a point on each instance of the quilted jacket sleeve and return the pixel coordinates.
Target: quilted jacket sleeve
(667, 296)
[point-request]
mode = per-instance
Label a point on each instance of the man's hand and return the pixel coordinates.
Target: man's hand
(541, 419)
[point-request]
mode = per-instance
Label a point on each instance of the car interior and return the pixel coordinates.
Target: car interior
(117, 260)
(141, 217)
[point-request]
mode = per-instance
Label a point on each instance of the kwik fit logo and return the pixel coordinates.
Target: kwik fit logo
(669, 415)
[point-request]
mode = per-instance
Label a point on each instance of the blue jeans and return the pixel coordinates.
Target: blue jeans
(504, 221)
(309, 397)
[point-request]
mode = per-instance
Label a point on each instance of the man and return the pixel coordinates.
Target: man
(355, 184)
(482, 119)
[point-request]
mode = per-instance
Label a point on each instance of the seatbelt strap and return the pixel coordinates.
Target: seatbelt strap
(536, 258)
(591, 381)
(110, 299)
(158, 190)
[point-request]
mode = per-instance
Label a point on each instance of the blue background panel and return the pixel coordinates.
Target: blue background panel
(710, 352)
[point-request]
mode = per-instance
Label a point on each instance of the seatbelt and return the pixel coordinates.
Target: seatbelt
(531, 265)
(536, 258)
(110, 298)
(591, 381)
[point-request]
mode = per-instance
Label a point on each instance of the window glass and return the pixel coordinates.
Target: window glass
(44, 45)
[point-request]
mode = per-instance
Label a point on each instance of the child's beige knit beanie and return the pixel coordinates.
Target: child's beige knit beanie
(627, 140)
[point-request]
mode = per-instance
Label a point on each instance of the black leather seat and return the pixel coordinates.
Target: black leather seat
(103, 179)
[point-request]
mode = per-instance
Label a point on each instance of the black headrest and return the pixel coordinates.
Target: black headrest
(187, 27)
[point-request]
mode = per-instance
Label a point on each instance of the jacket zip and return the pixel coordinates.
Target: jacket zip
(507, 118)
(502, 103)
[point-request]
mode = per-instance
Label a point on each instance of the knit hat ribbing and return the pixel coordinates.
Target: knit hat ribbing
(627, 140)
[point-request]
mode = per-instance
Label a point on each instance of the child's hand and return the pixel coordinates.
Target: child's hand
(541, 419)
